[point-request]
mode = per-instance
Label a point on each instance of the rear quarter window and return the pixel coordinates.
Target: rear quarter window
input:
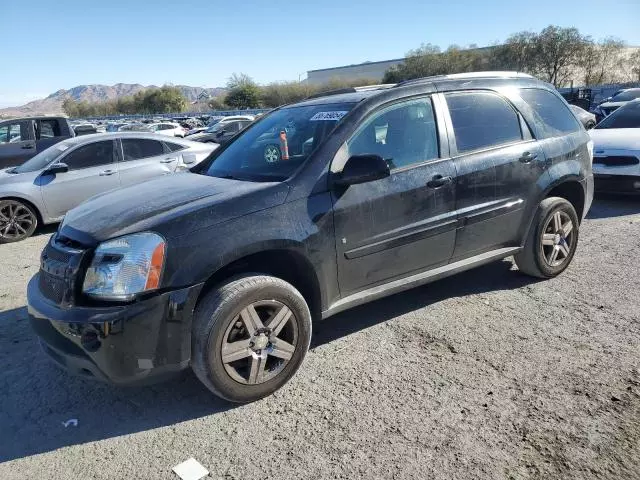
(555, 118)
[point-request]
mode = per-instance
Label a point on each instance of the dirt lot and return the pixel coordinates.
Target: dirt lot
(485, 375)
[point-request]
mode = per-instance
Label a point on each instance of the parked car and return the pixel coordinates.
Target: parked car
(587, 119)
(23, 138)
(231, 118)
(616, 158)
(615, 102)
(85, 129)
(225, 268)
(221, 132)
(134, 127)
(44, 188)
(168, 128)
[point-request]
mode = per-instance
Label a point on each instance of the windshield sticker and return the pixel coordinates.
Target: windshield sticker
(323, 116)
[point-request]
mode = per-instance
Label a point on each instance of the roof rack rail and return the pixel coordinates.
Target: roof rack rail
(453, 76)
(364, 88)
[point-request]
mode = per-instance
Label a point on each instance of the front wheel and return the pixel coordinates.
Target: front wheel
(552, 240)
(250, 336)
(17, 221)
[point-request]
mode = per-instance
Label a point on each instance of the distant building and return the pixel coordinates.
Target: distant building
(367, 70)
(375, 71)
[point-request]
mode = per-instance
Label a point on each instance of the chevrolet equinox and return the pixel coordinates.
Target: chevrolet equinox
(317, 207)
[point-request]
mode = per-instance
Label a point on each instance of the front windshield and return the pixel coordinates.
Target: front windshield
(627, 116)
(273, 148)
(42, 159)
(627, 95)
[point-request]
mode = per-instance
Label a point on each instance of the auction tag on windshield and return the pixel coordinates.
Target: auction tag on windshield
(323, 116)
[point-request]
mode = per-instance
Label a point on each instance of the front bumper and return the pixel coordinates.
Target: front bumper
(143, 342)
(622, 184)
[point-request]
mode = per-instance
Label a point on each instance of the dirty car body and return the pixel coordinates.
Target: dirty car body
(435, 208)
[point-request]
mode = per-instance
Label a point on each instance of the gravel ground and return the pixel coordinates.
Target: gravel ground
(488, 375)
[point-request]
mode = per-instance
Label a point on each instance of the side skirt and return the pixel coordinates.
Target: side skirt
(416, 280)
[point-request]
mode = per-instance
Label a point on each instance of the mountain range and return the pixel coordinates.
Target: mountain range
(52, 105)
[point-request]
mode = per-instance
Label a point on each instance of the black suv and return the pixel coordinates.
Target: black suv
(372, 192)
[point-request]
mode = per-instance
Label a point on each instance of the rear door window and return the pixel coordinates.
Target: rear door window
(92, 155)
(174, 147)
(48, 129)
(553, 114)
(137, 148)
(482, 120)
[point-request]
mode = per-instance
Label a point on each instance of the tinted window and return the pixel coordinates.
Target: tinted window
(627, 116)
(482, 120)
(92, 155)
(174, 147)
(554, 114)
(48, 129)
(10, 133)
(403, 134)
(136, 148)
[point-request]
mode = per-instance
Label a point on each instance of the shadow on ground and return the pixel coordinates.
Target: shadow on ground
(609, 205)
(37, 397)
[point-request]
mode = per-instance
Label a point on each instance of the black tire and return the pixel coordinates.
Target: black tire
(535, 257)
(219, 312)
(18, 220)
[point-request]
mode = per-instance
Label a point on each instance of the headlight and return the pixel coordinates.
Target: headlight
(123, 267)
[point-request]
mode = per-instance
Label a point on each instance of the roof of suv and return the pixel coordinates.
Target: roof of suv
(356, 94)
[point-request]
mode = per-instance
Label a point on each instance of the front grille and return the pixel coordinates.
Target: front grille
(616, 160)
(51, 287)
(55, 254)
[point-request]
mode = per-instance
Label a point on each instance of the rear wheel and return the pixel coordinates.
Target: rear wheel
(552, 240)
(250, 335)
(17, 221)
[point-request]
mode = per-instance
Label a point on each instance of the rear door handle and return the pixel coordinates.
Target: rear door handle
(438, 181)
(28, 146)
(528, 157)
(106, 173)
(168, 160)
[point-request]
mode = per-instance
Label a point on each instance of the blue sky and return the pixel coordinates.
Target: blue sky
(64, 43)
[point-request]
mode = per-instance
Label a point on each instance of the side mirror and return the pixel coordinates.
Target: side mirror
(362, 169)
(57, 168)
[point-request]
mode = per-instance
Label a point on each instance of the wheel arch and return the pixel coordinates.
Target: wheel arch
(29, 202)
(284, 262)
(572, 190)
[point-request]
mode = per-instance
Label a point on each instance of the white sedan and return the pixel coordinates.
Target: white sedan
(168, 128)
(616, 152)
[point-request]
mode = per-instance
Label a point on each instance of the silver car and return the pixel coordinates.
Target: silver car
(43, 189)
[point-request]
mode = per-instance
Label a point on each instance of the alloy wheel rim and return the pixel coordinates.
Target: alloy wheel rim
(15, 220)
(260, 342)
(557, 239)
(271, 154)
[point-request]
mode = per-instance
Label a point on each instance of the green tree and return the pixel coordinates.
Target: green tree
(243, 96)
(517, 53)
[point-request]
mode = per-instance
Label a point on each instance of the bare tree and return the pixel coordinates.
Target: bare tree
(557, 51)
(603, 62)
(517, 53)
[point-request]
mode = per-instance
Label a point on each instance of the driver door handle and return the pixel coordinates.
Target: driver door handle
(27, 146)
(438, 181)
(528, 157)
(168, 160)
(106, 173)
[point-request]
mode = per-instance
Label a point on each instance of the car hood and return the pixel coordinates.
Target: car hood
(616, 138)
(172, 205)
(10, 178)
